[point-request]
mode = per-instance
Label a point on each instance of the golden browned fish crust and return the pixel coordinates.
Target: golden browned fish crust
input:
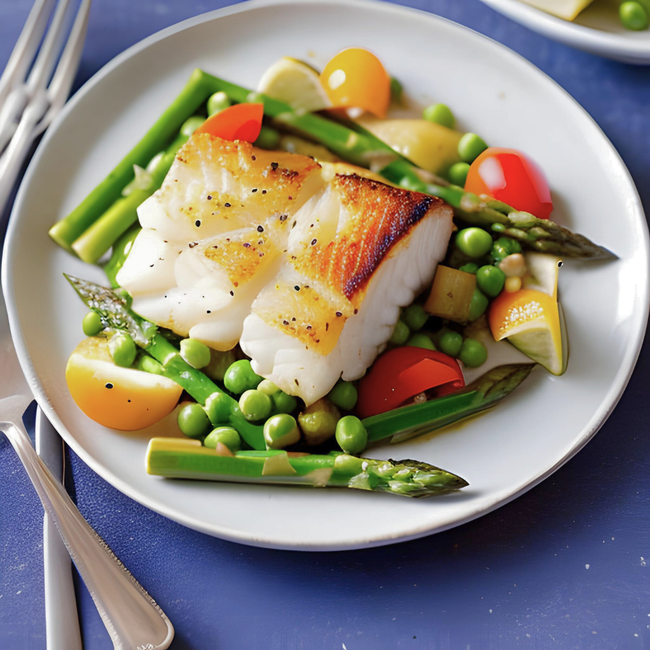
(379, 216)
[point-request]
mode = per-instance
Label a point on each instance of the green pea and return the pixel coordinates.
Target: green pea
(191, 124)
(226, 436)
(217, 102)
(474, 242)
(503, 247)
(280, 431)
(439, 114)
(469, 268)
(458, 173)
(470, 147)
(344, 395)
(450, 343)
(401, 333)
(255, 405)
(267, 387)
(419, 340)
(633, 16)
(122, 349)
(473, 353)
(193, 421)
(240, 377)
(478, 305)
(219, 407)
(92, 324)
(318, 421)
(351, 435)
(284, 403)
(195, 353)
(497, 227)
(490, 280)
(396, 90)
(415, 317)
(268, 138)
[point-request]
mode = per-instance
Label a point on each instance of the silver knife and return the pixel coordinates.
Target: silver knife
(61, 618)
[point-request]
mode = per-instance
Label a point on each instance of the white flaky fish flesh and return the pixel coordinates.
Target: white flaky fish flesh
(305, 265)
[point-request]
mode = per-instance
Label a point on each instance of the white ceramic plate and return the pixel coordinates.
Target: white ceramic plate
(508, 101)
(597, 29)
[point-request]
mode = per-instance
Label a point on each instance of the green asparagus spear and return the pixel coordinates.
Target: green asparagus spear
(121, 249)
(541, 235)
(414, 420)
(195, 93)
(178, 458)
(115, 314)
(102, 234)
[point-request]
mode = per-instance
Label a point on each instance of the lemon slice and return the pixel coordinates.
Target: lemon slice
(567, 9)
(296, 84)
(532, 322)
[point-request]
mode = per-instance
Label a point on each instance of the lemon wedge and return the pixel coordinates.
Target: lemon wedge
(567, 9)
(295, 83)
(533, 323)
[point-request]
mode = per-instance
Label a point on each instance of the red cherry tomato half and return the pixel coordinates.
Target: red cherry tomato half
(509, 176)
(401, 373)
(237, 122)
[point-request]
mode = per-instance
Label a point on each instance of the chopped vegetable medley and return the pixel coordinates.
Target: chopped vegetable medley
(296, 275)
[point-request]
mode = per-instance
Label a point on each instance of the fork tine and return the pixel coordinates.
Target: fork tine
(26, 46)
(43, 105)
(50, 49)
(68, 64)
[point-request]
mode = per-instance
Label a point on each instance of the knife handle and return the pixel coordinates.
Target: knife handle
(61, 618)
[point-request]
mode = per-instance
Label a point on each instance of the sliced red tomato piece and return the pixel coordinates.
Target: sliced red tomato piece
(401, 373)
(237, 122)
(512, 177)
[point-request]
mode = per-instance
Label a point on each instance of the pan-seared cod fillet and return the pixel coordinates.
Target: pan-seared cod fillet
(213, 235)
(360, 251)
(305, 266)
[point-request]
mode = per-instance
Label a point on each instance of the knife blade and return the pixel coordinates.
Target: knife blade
(61, 617)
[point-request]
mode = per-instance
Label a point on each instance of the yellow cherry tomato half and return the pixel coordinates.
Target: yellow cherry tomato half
(356, 78)
(119, 398)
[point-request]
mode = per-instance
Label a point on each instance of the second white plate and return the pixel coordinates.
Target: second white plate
(597, 30)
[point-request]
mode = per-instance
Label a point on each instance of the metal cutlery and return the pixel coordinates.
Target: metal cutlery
(33, 89)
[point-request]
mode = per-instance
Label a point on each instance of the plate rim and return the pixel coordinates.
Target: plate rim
(595, 41)
(599, 417)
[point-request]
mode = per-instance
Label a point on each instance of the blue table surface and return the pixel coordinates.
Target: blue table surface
(562, 566)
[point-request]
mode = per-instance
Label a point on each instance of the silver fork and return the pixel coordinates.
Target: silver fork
(30, 98)
(32, 92)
